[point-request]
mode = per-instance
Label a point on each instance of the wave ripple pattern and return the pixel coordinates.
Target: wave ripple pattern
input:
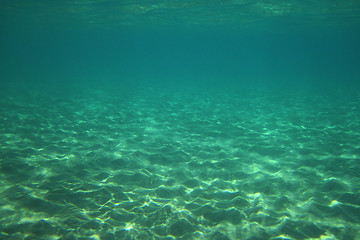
(180, 166)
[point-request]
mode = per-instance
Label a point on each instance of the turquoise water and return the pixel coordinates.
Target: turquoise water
(180, 120)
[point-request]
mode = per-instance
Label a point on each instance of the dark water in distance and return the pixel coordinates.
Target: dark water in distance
(221, 119)
(182, 56)
(239, 43)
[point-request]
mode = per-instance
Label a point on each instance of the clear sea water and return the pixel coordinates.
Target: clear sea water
(192, 119)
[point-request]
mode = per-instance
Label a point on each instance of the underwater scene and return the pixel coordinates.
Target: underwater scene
(193, 119)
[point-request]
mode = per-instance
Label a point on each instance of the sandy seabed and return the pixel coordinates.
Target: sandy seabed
(180, 166)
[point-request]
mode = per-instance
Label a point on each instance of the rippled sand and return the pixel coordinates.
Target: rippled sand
(180, 166)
